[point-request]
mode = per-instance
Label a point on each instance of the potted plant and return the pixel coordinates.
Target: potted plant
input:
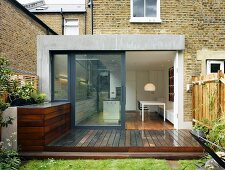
(25, 95)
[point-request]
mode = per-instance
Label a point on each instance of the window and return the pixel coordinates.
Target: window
(71, 27)
(213, 66)
(60, 80)
(145, 11)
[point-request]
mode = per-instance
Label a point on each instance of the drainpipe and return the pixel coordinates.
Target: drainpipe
(91, 5)
(48, 31)
(62, 21)
(85, 23)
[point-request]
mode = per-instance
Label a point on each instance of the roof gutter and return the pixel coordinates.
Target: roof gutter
(27, 12)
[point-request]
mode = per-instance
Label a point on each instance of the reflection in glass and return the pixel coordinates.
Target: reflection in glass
(60, 77)
(151, 7)
(144, 8)
(98, 89)
(138, 8)
(215, 68)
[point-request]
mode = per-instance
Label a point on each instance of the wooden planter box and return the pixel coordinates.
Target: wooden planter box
(39, 125)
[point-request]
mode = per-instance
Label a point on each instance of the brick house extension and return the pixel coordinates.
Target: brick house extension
(156, 41)
(18, 31)
(135, 42)
(201, 22)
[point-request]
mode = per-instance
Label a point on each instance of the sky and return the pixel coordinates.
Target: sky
(54, 1)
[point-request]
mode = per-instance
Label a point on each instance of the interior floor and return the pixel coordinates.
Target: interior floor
(153, 121)
(97, 119)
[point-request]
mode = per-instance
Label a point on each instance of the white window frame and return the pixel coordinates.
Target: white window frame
(145, 19)
(209, 62)
(71, 25)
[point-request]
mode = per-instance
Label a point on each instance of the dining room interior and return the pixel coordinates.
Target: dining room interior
(150, 90)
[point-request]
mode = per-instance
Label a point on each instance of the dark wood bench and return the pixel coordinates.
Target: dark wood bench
(204, 143)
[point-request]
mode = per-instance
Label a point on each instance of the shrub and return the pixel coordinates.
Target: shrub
(5, 74)
(201, 128)
(26, 95)
(9, 158)
(217, 133)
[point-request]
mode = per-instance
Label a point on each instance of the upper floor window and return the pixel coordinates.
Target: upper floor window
(71, 27)
(213, 66)
(145, 11)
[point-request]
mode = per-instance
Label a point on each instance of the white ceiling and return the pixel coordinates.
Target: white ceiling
(149, 60)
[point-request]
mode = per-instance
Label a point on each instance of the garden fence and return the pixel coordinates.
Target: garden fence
(208, 97)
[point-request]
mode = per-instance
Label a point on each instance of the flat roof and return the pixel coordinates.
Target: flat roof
(58, 8)
(43, 6)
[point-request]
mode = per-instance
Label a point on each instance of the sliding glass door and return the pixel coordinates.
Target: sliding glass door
(98, 89)
(96, 85)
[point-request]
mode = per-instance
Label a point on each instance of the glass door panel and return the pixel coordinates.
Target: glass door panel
(98, 92)
(60, 77)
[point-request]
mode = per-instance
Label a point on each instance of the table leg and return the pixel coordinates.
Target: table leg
(164, 112)
(142, 112)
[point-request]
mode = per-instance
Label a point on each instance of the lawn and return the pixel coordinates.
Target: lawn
(111, 164)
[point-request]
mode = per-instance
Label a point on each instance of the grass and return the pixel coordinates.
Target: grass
(110, 164)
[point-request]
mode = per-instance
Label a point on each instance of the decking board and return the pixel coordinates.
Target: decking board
(126, 141)
(106, 138)
(95, 138)
(117, 138)
(111, 138)
(101, 138)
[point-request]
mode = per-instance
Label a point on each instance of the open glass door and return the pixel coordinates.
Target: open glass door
(99, 89)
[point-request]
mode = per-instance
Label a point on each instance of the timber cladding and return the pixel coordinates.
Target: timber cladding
(37, 127)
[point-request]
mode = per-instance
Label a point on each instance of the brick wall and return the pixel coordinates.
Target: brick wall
(202, 23)
(18, 33)
(54, 20)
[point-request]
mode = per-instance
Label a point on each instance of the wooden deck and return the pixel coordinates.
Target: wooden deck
(126, 141)
(104, 144)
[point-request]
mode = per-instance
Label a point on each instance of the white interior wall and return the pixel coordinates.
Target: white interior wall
(131, 91)
(142, 78)
(135, 82)
(115, 81)
(157, 78)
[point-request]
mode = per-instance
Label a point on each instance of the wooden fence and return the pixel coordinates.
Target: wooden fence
(208, 97)
(23, 79)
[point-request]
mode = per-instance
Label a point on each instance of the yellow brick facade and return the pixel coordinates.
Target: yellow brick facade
(18, 33)
(54, 20)
(202, 23)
